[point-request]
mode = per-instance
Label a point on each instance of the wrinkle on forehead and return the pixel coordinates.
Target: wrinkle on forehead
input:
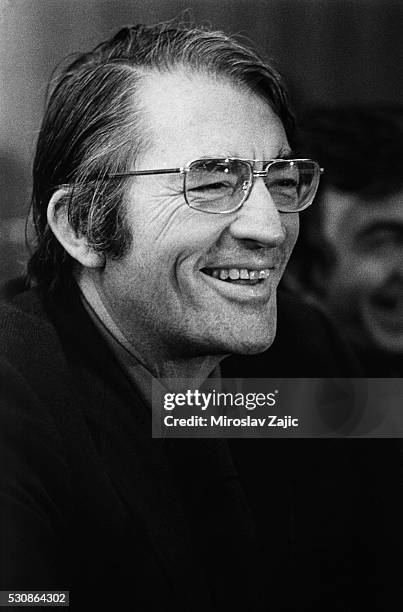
(182, 107)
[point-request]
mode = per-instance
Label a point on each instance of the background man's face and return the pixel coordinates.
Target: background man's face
(158, 292)
(365, 288)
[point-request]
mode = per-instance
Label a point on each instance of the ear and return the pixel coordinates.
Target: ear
(75, 245)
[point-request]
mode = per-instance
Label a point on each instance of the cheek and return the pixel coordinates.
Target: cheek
(163, 227)
(291, 226)
(165, 252)
(355, 277)
(367, 272)
(154, 223)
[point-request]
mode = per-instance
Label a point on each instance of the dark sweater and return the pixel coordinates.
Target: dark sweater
(91, 504)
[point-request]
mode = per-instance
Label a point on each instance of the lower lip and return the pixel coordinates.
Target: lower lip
(260, 292)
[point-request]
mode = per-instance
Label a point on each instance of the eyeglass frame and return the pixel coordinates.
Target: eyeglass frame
(253, 174)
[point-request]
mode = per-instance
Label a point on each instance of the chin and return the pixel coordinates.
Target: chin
(252, 342)
(384, 335)
(386, 342)
(239, 334)
(253, 348)
(255, 336)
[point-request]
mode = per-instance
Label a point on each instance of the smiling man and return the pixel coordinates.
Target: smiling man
(166, 201)
(350, 255)
(199, 280)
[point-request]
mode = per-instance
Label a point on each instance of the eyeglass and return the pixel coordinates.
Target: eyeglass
(221, 186)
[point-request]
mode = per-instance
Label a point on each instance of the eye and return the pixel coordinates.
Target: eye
(381, 240)
(284, 183)
(211, 186)
(283, 179)
(212, 182)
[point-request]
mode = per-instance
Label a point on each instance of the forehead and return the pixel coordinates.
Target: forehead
(190, 115)
(345, 216)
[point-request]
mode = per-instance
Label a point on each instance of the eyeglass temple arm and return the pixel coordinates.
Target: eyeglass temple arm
(146, 172)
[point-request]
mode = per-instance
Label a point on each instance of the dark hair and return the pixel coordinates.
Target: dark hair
(361, 150)
(91, 129)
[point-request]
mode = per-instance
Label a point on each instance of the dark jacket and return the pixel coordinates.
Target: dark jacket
(92, 504)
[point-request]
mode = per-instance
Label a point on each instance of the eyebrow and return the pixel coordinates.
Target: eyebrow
(286, 153)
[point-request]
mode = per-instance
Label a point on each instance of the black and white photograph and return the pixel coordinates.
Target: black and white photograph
(201, 254)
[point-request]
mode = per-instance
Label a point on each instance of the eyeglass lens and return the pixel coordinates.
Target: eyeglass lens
(219, 185)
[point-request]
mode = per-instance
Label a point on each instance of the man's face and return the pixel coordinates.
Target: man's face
(365, 288)
(162, 292)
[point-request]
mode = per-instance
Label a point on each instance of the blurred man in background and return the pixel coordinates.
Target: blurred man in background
(349, 255)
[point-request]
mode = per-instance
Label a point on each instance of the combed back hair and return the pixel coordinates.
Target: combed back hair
(92, 128)
(361, 147)
(361, 150)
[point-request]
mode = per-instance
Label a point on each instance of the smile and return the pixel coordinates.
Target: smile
(387, 309)
(238, 275)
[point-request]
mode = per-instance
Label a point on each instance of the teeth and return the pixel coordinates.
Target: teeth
(239, 273)
(264, 274)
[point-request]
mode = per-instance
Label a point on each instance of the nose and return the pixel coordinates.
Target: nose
(258, 221)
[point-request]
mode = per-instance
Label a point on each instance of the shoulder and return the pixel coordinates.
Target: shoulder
(26, 332)
(32, 362)
(35, 367)
(50, 343)
(28, 349)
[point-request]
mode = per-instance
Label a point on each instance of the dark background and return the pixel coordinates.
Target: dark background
(330, 51)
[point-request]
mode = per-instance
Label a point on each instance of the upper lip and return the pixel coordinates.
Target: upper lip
(240, 266)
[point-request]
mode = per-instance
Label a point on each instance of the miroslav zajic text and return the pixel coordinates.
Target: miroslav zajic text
(283, 422)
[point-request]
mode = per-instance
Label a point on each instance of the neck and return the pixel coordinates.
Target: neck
(159, 362)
